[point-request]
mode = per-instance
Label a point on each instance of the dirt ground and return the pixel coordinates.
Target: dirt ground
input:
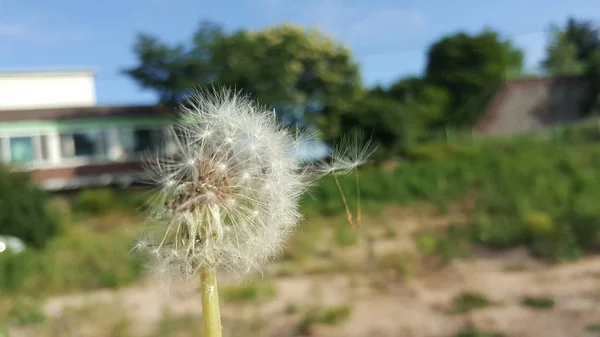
(413, 306)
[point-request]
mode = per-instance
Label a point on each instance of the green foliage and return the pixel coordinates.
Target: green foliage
(470, 67)
(101, 260)
(575, 49)
(468, 301)
(26, 311)
(532, 190)
(248, 292)
(25, 211)
(399, 263)
(471, 332)
(593, 327)
(96, 202)
(562, 55)
(538, 302)
(330, 316)
(300, 73)
(345, 235)
(382, 118)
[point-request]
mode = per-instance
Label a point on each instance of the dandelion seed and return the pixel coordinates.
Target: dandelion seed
(228, 192)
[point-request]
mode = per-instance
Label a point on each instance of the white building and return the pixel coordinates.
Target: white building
(49, 89)
(50, 125)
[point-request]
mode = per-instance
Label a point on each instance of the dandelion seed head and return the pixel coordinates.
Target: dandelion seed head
(230, 188)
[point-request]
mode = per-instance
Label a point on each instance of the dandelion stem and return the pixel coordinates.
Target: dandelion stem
(211, 314)
(358, 206)
(348, 213)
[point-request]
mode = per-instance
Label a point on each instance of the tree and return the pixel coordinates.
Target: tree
(471, 68)
(585, 35)
(592, 105)
(576, 49)
(172, 70)
(303, 75)
(382, 119)
(562, 55)
(424, 103)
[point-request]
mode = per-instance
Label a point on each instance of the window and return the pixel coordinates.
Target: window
(138, 141)
(83, 144)
(22, 150)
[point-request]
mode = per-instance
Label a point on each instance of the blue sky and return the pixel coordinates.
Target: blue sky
(388, 37)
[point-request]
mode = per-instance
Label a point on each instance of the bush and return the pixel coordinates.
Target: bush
(529, 191)
(79, 260)
(100, 201)
(94, 201)
(24, 210)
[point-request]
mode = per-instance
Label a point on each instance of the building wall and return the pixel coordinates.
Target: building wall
(32, 90)
(534, 104)
(81, 152)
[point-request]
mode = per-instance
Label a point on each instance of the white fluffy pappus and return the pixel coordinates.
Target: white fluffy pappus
(228, 195)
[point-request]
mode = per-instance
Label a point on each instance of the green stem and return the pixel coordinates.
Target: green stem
(211, 314)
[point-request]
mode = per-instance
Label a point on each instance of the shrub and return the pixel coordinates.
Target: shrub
(468, 301)
(80, 260)
(24, 210)
(94, 201)
(538, 302)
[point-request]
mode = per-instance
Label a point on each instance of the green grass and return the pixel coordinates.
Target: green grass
(530, 191)
(471, 332)
(79, 260)
(593, 328)
(330, 316)
(538, 302)
(248, 292)
(468, 301)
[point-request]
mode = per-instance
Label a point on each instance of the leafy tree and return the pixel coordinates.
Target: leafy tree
(470, 67)
(585, 35)
(23, 210)
(382, 119)
(301, 74)
(562, 55)
(577, 47)
(593, 76)
(424, 103)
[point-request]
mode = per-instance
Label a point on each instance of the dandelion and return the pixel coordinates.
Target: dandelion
(228, 193)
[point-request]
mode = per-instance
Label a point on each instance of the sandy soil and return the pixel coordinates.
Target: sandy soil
(417, 306)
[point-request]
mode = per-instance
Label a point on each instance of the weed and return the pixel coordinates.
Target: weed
(330, 316)
(538, 302)
(593, 327)
(468, 301)
(471, 332)
(248, 292)
(344, 235)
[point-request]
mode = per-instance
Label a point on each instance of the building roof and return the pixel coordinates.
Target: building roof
(85, 112)
(533, 103)
(4, 72)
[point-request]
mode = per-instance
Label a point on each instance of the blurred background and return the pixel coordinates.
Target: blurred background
(481, 209)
